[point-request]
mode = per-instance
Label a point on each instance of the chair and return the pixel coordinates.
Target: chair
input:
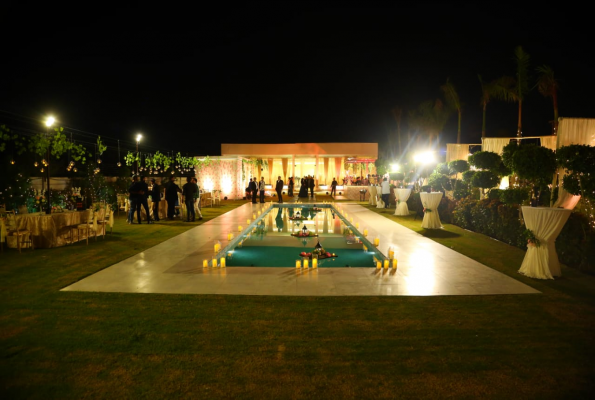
(12, 229)
(217, 198)
(106, 219)
(88, 227)
(206, 199)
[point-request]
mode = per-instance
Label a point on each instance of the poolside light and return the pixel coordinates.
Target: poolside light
(386, 264)
(222, 262)
(378, 265)
(376, 241)
(314, 262)
(240, 228)
(366, 232)
(205, 263)
(298, 263)
(306, 263)
(394, 263)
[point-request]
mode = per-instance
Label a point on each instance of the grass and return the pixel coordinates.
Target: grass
(117, 345)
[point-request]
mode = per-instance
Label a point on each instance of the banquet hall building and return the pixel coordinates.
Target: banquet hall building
(238, 163)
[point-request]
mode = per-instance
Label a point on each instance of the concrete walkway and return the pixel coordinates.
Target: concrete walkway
(425, 268)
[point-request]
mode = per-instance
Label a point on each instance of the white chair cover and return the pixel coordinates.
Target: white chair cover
(546, 223)
(379, 203)
(430, 201)
(402, 195)
(373, 190)
(2, 230)
(111, 219)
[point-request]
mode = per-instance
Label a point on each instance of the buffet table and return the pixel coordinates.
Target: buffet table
(50, 230)
(541, 261)
(430, 201)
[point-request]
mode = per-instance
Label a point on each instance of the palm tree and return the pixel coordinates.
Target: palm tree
(430, 117)
(452, 99)
(501, 89)
(548, 86)
(522, 83)
(398, 114)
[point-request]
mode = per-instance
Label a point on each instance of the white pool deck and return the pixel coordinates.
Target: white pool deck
(425, 268)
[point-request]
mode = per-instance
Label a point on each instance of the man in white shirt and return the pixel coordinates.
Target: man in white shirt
(385, 191)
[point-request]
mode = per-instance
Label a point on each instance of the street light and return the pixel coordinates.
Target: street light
(48, 123)
(138, 138)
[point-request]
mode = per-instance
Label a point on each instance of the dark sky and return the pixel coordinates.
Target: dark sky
(192, 78)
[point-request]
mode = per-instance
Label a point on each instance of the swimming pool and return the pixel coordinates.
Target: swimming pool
(272, 239)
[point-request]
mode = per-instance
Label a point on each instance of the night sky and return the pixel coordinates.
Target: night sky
(192, 78)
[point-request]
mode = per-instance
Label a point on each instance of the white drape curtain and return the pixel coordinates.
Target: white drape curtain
(271, 166)
(338, 167)
(495, 145)
(325, 179)
(549, 142)
(284, 163)
(457, 152)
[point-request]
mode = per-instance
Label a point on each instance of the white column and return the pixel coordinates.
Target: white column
(293, 167)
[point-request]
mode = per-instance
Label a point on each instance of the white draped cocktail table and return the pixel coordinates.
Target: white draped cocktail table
(430, 201)
(541, 261)
(401, 196)
(372, 199)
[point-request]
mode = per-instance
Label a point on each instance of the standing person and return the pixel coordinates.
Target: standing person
(144, 198)
(156, 198)
(262, 188)
(253, 189)
(171, 196)
(312, 183)
(385, 191)
(279, 189)
(133, 199)
(334, 187)
(290, 187)
(197, 199)
(303, 188)
(188, 191)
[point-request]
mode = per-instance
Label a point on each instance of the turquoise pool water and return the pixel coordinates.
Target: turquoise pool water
(270, 242)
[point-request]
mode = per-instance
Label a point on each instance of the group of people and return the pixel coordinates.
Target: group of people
(307, 184)
(259, 187)
(138, 193)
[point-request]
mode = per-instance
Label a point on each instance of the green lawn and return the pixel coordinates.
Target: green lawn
(111, 345)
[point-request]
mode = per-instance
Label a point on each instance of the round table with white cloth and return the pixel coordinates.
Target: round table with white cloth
(541, 261)
(430, 201)
(372, 199)
(401, 196)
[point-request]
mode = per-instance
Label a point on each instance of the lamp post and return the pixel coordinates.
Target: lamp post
(138, 138)
(48, 123)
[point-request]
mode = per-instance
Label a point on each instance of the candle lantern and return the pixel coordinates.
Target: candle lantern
(394, 263)
(214, 262)
(357, 225)
(306, 263)
(365, 232)
(205, 263)
(315, 263)
(240, 228)
(222, 261)
(386, 264)
(253, 216)
(298, 264)
(247, 222)
(376, 241)
(378, 265)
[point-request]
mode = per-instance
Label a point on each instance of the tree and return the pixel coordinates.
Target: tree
(579, 162)
(534, 165)
(522, 83)
(501, 89)
(452, 99)
(430, 117)
(548, 86)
